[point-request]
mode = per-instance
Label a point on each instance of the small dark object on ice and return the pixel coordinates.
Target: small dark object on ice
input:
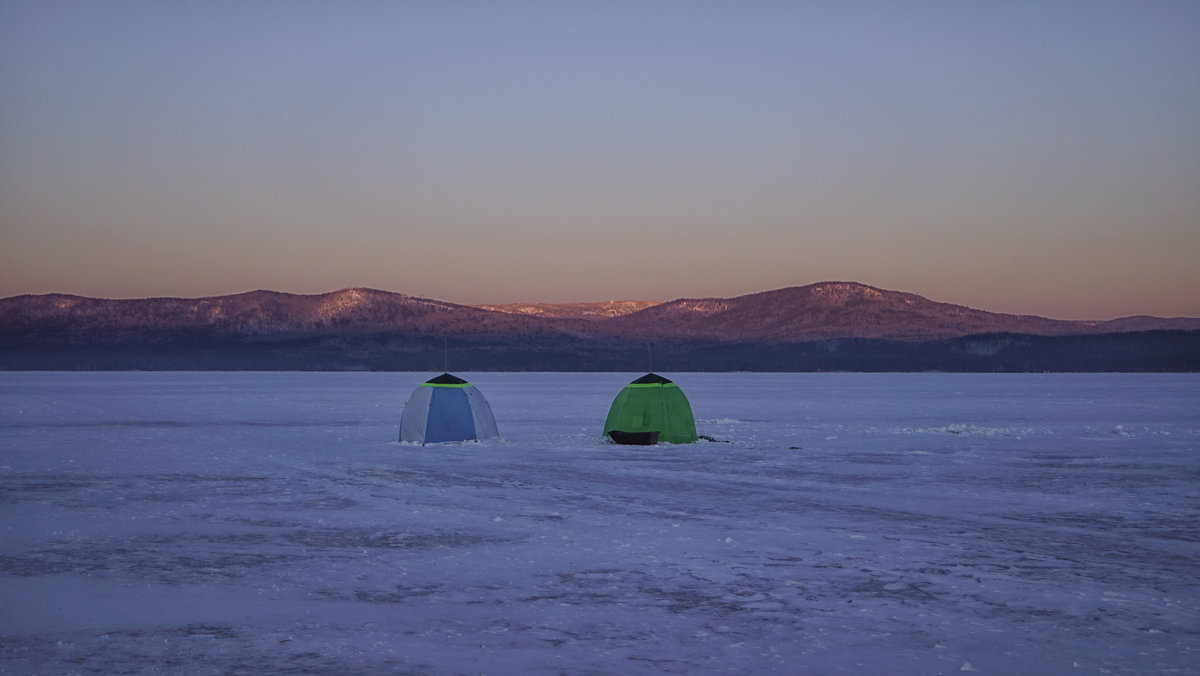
(635, 438)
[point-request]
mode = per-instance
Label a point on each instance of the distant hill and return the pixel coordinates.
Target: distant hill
(814, 312)
(830, 325)
(851, 310)
(593, 311)
(261, 312)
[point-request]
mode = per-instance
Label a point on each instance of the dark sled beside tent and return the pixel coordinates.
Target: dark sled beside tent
(649, 410)
(446, 408)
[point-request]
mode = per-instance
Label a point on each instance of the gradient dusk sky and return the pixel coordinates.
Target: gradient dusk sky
(1036, 156)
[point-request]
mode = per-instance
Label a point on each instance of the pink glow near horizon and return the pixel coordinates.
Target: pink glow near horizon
(1029, 158)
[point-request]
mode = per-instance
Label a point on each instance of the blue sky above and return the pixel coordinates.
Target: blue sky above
(1034, 157)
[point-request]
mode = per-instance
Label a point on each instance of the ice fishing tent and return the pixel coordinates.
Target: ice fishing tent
(446, 408)
(649, 410)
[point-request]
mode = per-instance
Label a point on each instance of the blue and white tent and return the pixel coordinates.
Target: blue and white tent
(446, 408)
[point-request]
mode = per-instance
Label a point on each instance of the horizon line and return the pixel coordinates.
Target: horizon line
(577, 302)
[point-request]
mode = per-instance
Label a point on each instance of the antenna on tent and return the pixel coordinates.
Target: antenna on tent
(649, 358)
(446, 355)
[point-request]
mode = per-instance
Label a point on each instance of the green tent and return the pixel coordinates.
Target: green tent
(649, 410)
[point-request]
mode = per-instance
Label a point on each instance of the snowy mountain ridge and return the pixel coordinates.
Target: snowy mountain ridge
(821, 311)
(252, 312)
(592, 311)
(831, 310)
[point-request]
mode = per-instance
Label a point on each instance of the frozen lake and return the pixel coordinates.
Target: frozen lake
(269, 523)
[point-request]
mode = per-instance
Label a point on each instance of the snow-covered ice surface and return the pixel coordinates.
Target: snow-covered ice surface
(269, 523)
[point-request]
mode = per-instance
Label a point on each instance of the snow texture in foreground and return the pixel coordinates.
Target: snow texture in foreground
(257, 523)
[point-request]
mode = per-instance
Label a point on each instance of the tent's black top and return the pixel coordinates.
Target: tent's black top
(651, 378)
(447, 379)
